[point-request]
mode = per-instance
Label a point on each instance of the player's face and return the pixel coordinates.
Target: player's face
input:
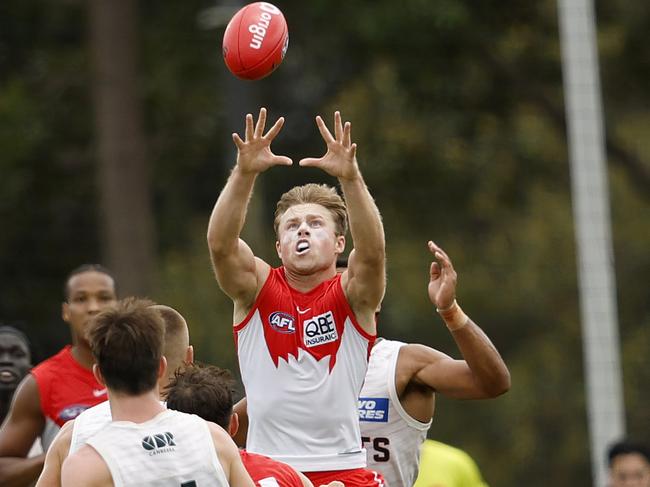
(307, 239)
(630, 470)
(89, 293)
(15, 361)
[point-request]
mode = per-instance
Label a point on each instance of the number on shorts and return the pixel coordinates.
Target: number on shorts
(189, 483)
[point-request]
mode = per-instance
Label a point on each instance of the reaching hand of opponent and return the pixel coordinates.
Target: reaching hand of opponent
(254, 153)
(340, 159)
(442, 279)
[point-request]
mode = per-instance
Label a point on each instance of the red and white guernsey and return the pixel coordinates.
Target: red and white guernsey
(303, 358)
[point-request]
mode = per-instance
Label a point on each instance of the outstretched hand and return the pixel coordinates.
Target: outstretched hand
(254, 153)
(340, 159)
(442, 279)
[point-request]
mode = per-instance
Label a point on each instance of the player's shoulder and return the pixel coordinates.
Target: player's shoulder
(27, 395)
(58, 359)
(84, 467)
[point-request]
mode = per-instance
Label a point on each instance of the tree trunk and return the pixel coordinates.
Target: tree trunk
(126, 216)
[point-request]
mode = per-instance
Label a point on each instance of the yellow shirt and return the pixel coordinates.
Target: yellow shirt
(445, 466)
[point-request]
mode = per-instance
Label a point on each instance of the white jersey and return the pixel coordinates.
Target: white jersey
(303, 358)
(170, 450)
(88, 423)
(391, 436)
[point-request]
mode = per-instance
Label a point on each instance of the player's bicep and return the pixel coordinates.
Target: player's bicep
(25, 421)
(364, 283)
(238, 273)
(85, 467)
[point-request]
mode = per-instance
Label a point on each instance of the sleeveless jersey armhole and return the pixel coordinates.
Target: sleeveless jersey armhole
(392, 392)
(242, 324)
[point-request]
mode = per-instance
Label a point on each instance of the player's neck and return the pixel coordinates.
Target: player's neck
(81, 353)
(306, 282)
(136, 409)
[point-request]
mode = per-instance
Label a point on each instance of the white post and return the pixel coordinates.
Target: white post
(592, 230)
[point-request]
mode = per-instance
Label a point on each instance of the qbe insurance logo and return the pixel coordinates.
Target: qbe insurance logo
(320, 330)
(373, 409)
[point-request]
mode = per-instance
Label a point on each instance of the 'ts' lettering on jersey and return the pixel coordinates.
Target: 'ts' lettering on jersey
(392, 437)
(303, 358)
(66, 389)
(173, 449)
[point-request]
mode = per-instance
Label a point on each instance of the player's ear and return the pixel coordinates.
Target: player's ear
(162, 367)
(233, 427)
(98, 375)
(65, 312)
(340, 244)
(189, 355)
(278, 249)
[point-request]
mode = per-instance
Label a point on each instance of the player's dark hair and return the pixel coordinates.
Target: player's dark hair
(15, 331)
(127, 343)
(204, 390)
(626, 447)
(80, 270)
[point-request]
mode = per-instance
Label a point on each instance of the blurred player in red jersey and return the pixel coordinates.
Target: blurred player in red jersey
(62, 386)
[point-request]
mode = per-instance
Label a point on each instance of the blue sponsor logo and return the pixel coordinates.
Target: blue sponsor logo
(71, 412)
(373, 409)
(282, 322)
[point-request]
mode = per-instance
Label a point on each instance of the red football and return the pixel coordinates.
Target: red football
(255, 41)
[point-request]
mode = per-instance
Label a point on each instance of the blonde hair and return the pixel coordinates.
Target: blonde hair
(319, 194)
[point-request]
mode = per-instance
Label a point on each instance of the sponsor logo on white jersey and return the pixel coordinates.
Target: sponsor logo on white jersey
(159, 443)
(319, 330)
(373, 409)
(282, 322)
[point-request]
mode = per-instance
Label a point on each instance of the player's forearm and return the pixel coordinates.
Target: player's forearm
(229, 213)
(366, 227)
(18, 472)
(489, 371)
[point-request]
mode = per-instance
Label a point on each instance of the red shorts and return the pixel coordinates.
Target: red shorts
(356, 477)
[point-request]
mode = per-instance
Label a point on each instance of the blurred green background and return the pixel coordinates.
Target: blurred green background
(458, 111)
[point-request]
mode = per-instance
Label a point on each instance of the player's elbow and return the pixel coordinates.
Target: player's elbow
(220, 249)
(500, 385)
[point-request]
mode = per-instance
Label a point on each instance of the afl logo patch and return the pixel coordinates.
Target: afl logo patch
(282, 322)
(71, 412)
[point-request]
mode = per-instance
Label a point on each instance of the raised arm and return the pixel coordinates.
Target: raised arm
(364, 281)
(482, 374)
(23, 425)
(238, 272)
